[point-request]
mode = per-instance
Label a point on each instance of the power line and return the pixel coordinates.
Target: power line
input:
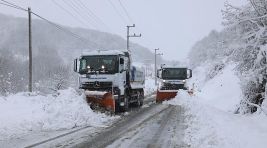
(129, 16)
(14, 5)
(86, 15)
(91, 13)
(66, 10)
(9, 5)
(81, 7)
(75, 9)
(65, 30)
(126, 12)
(74, 16)
(116, 10)
(6, 3)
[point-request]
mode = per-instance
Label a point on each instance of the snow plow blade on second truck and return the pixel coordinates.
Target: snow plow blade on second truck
(163, 95)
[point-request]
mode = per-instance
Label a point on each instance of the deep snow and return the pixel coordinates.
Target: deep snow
(210, 115)
(24, 113)
(223, 91)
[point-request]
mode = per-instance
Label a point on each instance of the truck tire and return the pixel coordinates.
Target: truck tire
(117, 106)
(137, 103)
(140, 100)
(142, 97)
(126, 102)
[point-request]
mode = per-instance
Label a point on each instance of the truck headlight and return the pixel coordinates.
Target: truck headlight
(164, 80)
(184, 81)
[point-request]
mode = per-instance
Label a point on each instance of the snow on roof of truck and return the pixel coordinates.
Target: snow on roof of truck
(174, 67)
(138, 64)
(102, 52)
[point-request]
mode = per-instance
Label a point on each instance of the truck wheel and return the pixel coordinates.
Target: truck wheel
(139, 99)
(141, 102)
(142, 99)
(138, 102)
(126, 103)
(117, 106)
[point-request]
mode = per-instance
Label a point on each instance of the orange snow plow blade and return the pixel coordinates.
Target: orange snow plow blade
(163, 95)
(101, 99)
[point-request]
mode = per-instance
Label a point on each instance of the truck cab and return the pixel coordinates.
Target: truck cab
(174, 78)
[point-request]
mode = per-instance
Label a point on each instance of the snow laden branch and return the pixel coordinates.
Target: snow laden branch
(259, 107)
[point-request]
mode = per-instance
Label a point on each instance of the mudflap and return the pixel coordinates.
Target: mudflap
(163, 95)
(104, 100)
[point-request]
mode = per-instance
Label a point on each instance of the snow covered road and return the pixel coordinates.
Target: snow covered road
(157, 126)
(165, 129)
(154, 125)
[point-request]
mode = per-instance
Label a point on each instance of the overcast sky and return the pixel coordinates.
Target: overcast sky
(171, 25)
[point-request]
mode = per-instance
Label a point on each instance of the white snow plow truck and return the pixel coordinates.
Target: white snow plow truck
(109, 80)
(171, 80)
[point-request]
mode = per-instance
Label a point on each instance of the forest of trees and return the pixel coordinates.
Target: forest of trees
(243, 41)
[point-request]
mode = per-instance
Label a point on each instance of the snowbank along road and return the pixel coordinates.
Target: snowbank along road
(154, 125)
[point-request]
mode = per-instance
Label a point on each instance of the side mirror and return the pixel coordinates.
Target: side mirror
(75, 65)
(121, 61)
(189, 73)
(158, 71)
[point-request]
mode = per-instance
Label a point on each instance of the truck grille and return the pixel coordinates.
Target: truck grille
(167, 86)
(97, 84)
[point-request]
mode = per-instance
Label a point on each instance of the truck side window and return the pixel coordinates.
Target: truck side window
(121, 61)
(83, 64)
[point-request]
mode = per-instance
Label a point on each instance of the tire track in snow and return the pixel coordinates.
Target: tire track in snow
(164, 130)
(118, 130)
(149, 99)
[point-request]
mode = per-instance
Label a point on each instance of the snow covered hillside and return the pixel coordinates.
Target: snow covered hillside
(222, 91)
(53, 53)
(25, 113)
(242, 41)
(210, 114)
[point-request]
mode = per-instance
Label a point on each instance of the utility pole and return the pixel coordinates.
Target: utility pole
(156, 65)
(158, 54)
(128, 36)
(30, 51)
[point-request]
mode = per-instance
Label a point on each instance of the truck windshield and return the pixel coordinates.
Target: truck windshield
(107, 64)
(174, 73)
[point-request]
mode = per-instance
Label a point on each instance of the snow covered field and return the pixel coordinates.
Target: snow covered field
(210, 115)
(24, 113)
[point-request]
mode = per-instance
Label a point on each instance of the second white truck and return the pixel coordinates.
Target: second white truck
(172, 79)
